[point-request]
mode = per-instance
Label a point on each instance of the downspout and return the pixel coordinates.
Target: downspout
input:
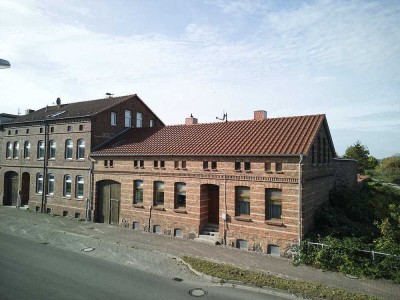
(224, 217)
(89, 201)
(46, 133)
(300, 198)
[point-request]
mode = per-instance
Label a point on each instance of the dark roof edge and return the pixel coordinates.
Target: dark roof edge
(47, 120)
(118, 134)
(196, 155)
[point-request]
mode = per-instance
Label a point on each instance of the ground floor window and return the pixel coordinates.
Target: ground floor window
(138, 192)
(79, 186)
(67, 185)
(242, 200)
(180, 195)
(39, 183)
(273, 202)
(158, 193)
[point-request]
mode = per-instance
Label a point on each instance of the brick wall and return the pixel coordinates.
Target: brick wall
(345, 173)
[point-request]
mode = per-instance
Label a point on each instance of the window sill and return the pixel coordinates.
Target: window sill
(138, 205)
(206, 169)
(238, 171)
(162, 168)
(248, 171)
(180, 210)
(268, 172)
(184, 169)
(67, 197)
(274, 223)
(155, 168)
(176, 169)
(158, 208)
(243, 219)
(141, 167)
(214, 170)
(279, 172)
(79, 199)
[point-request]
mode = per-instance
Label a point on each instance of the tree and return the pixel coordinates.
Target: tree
(361, 153)
(390, 168)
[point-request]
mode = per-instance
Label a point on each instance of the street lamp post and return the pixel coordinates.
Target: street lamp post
(4, 64)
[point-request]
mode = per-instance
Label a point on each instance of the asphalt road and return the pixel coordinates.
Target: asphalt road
(31, 270)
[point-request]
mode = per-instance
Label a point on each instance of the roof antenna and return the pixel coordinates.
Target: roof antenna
(109, 95)
(224, 118)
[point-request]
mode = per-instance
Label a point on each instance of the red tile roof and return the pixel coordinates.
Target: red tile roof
(275, 136)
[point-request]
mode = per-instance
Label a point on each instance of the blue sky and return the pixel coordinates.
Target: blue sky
(340, 58)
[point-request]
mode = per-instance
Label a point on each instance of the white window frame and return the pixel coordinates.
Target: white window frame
(80, 151)
(50, 184)
(79, 181)
(67, 180)
(69, 149)
(113, 119)
(39, 183)
(27, 149)
(52, 149)
(40, 149)
(139, 120)
(128, 118)
(9, 150)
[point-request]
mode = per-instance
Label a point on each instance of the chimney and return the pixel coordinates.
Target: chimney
(58, 101)
(28, 111)
(191, 120)
(260, 115)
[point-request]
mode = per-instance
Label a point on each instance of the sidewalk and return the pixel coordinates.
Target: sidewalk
(47, 228)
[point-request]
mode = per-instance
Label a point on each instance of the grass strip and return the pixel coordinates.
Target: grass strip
(300, 288)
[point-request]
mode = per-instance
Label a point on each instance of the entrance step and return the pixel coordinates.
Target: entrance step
(209, 234)
(208, 239)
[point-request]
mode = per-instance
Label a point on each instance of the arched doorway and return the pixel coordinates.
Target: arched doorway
(108, 202)
(25, 188)
(10, 189)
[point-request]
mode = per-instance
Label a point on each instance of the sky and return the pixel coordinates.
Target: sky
(204, 57)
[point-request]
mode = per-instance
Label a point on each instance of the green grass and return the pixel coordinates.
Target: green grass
(301, 288)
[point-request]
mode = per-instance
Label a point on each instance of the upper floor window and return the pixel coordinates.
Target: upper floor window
(16, 150)
(80, 127)
(158, 193)
(69, 146)
(68, 128)
(27, 149)
(180, 195)
(183, 163)
(141, 164)
(267, 167)
(273, 204)
(151, 123)
(41, 129)
(213, 165)
(27, 131)
(16, 132)
(113, 119)
(278, 167)
(176, 164)
(39, 183)
(238, 166)
(162, 164)
(79, 186)
(242, 200)
(128, 118)
(80, 154)
(155, 164)
(138, 192)
(50, 184)
(51, 129)
(139, 120)
(40, 150)
(247, 166)
(9, 132)
(52, 150)
(205, 165)
(67, 186)
(9, 150)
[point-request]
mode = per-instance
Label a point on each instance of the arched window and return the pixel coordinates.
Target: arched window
(16, 150)
(50, 184)
(52, 150)
(27, 149)
(80, 153)
(139, 120)
(67, 186)
(39, 183)
(69, 146)
(8, 150)
(40, 150)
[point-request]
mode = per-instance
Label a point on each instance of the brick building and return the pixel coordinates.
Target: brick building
(44, 162)
(252, 184)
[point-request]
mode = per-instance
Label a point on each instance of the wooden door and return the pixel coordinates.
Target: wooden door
(213, 204)
(11, 189)
(25, 189)
(115, 192)
(109, 194)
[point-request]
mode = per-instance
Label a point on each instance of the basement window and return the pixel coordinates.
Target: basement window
(157, 229)
(273, 250)
(136, 225)
(178, 233)
(242, 245)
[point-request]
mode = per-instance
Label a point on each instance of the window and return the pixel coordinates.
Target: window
(15, 150)
(267, 167)
(16, 132)
(273, 202)
(313, 154)
(113, 119)
(242, 245)
(151, 123)
(106, 163)
(68, 128)
(81, 150)
(80, 127)
(27, 149)
(178, 233)
(69, 146)
(158, 193)
(50, 184)
(40, 150)
(155, 164)
(79, 186)
(27, 131)
(41, 130)
(136, 225)
(111, 163)
(273, 250)
(238, 166)
(138, 192)
(213, 165)
(247, 166)
(52, 150)
(39, 183)
(128, 118)
(157, 229)
(51, 129)
(162, 164)
(139, 120)
(180, 195)
(242, 200)
(183, 164)
(141, 164)
(67, 186)
(9, 132)
(176, 164)
(278, 167)
(205, 165)
(9, 150)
